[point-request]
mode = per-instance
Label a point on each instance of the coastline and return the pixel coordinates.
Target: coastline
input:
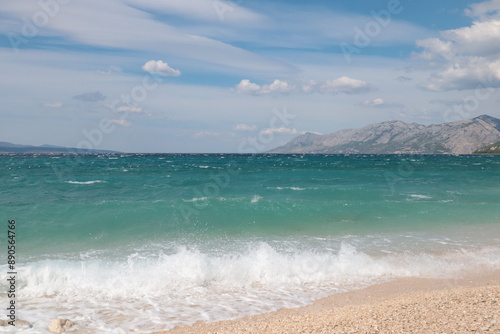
(469, 304)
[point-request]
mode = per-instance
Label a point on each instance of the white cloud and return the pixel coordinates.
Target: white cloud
(244, 127)
(134, 110)
(344, 85)
(247, 87)
(308, 85)
(484, 10)
(277, 86)
(128, 109)
(467, 57)
(466, 73)
(53, 105)
(480, 39)
(122, 122)
(341, 85)
(161, 68)
(380, 103)
(374, 103)
(282, 131)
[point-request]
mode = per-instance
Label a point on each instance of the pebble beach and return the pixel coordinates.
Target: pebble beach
(412, 305)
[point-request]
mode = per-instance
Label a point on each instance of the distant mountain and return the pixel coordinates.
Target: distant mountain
(6, 147)
(397, 137)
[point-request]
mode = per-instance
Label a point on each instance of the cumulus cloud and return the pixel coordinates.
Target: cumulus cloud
(276, 87)
(90, 97)
(122, 122)
(466, 73)
(344, 85)
(244, 127)
(52, 105)
(307, 86)
(467, 57)
(247, 87)
(282, 130)
(160, 68)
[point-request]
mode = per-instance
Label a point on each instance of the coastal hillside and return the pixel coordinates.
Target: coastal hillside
(397, 137)
(490, 149)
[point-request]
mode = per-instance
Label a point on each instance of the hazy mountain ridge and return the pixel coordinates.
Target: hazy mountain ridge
(398, 137)
(6, 147)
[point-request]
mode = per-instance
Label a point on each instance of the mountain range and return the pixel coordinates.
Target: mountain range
(6, 147)
(397, 137)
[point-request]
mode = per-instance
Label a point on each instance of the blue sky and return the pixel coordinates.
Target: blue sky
(238, 76)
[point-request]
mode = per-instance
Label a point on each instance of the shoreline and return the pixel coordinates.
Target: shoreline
(423, 305)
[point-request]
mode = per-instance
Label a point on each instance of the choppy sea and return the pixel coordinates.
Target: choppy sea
(136, 243)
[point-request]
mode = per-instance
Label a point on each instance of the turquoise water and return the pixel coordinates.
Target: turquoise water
(183, 238)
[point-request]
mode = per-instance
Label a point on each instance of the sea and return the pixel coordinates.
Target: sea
(136, 243)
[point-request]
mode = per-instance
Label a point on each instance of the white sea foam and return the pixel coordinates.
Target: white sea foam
(420, 196)
(291, 188)
(195, 199)
(85, 182)
(141, 292)
(256, 198)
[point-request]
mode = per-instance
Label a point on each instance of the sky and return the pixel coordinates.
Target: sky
(239, 76)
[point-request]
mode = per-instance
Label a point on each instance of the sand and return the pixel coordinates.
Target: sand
(411, 305)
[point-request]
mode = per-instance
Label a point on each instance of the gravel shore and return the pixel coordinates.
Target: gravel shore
(413, 305)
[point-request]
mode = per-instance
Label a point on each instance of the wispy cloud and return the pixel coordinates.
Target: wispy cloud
(122, 122)
(244, 127)
(282, 131)
(128, 109)
(110, 70)
(344, 85)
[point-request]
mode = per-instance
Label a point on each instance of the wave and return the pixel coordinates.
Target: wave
(418, 196)
(86, 182)
(256, 199)
(200, 285)
(291, 188)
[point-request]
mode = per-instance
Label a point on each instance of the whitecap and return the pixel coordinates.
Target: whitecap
(256, 198)
(85, 182)
(420, 196)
